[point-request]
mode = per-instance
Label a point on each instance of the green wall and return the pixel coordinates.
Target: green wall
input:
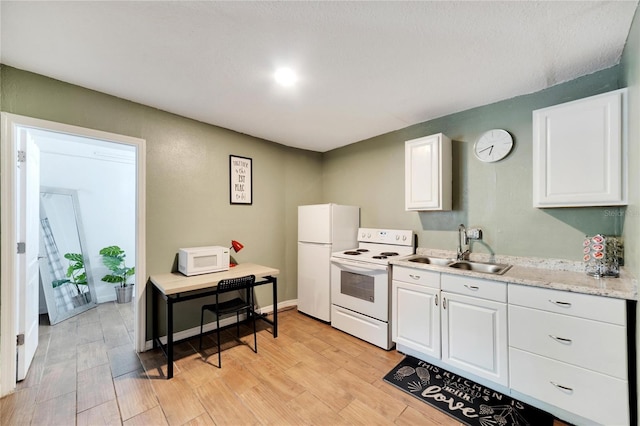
(187, 178)
(495, 197)
(188, 195)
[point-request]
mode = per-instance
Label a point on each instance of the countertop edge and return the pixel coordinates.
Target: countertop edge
(624, 287)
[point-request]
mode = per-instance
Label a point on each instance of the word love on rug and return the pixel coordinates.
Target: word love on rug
(464, 399)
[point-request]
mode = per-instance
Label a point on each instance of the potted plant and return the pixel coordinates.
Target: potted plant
(76, 276)
(113, 257)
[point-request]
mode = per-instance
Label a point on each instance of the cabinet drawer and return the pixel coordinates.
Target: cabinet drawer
(475, 287)
(563, 302)
(416, 276)
(595, 345)
(598, 397)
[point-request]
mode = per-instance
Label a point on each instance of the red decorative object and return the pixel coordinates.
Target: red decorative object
(235, 246)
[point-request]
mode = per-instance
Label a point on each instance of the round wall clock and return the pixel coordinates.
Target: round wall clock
(493, 145)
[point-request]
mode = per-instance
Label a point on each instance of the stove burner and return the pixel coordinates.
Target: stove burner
(379, 257)
(352, 253)
(388, 253)
(362, 250)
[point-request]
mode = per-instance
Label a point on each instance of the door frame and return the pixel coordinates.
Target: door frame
(8, 242)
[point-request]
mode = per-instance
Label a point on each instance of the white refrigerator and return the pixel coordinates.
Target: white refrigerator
(322, 230)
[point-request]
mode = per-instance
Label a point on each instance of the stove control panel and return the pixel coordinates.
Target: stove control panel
(385, 236)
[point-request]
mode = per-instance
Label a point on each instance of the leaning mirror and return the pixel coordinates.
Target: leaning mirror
(65, 274)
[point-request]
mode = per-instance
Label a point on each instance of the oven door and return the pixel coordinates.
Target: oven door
(361, 287)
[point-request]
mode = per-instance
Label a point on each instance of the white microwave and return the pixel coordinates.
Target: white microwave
(203, 260)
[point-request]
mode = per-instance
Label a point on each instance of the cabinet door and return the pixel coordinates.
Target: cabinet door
(428, 173)
(474, 336)
(579, 153)
(314, 280)
(416, 317)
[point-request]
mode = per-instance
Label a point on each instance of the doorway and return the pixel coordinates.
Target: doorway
(14, 127)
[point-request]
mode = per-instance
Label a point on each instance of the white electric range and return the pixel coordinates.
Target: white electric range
(361, 285)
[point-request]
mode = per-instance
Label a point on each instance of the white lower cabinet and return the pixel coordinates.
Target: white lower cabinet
(570, 350)
(565, 352)
(597, 397)
(415, 310)
(464, 326)
(474, 327)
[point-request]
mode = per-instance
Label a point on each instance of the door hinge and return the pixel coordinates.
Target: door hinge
(22, 156)
(20, 339)
(22, 248)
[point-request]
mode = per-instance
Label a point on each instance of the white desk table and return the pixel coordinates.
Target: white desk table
(175, 287)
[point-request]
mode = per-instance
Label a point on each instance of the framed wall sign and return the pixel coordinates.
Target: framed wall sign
(240, 180)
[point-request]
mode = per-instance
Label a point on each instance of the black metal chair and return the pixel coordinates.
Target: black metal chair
(236, 305)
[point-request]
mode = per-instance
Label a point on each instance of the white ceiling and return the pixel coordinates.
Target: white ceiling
(366, 68)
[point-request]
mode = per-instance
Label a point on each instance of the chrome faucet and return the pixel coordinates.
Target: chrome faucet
(463, 240)
(464, 236)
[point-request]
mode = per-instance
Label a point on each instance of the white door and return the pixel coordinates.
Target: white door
(427, 168)
(361, 287)
(416, 317)
(579, 152)
(314, 223)
(28, 275)
(314, 280)
(11, 297)
(474, 336)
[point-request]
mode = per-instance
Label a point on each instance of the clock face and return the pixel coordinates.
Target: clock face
(493, 145)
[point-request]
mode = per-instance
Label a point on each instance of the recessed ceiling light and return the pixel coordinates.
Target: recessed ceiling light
(285, 77)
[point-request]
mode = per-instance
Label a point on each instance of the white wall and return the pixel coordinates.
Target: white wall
(103, 173)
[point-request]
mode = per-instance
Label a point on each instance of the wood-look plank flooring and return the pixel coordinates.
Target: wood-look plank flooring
(86, 372)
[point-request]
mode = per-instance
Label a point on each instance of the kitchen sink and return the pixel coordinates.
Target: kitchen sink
(428, 260)
(485, 268)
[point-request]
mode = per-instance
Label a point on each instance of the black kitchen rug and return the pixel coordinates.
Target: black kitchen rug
(464, 399)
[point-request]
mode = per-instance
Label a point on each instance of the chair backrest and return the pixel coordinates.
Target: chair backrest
(236, 283)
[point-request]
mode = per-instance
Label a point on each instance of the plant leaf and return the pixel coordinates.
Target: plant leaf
(58, 283)
(113, 251)
(75, 257)
(111, 262)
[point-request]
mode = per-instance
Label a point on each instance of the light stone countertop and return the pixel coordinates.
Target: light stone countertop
(547, 273)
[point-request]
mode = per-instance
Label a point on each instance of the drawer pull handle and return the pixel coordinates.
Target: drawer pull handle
(564, 388)
(560, 339)
(559, 303)
(415, 277)
(472, 287)
(436, 300)
(444, 303)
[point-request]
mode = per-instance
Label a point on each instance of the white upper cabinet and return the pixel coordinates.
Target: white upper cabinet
(579, 152)
(427, 168)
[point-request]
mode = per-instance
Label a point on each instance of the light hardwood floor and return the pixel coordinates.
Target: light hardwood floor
(86, 373)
